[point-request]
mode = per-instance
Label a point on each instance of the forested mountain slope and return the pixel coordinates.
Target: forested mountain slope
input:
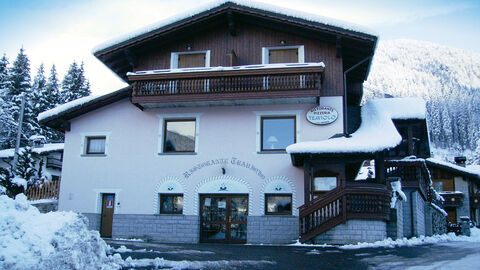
(447, 78)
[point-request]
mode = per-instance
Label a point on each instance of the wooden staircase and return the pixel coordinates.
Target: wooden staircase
(350, 200)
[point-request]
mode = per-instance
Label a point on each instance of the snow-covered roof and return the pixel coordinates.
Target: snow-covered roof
(36, 137)
(84, 104)
(67, 106)
(471, 170)
(47, 148)
(220, 68)
(250, 4)
(376, 133)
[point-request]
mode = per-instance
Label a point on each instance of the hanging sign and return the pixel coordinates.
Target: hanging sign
(322, 115)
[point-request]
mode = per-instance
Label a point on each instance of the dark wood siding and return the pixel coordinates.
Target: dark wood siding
(247, 46)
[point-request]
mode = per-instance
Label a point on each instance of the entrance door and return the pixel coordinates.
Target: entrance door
(223, 218)
(108, 204)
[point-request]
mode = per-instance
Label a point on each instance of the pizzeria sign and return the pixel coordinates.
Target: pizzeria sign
(322, 115)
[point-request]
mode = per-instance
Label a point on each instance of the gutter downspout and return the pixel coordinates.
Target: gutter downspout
(345, 122)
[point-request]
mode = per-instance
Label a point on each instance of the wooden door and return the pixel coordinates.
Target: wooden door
(283, 56)
(223, 218)
(108, 204)
(452, 214)
(191, 60)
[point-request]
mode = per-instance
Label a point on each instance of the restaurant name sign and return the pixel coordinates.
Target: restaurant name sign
(322, 115)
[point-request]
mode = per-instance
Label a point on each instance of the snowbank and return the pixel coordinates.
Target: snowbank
(56, 240)
(415, 241)
(377, 131)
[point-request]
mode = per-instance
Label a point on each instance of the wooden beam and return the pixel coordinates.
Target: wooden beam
(338, 44)
(131, 58)
(231, 24)
(306, 181)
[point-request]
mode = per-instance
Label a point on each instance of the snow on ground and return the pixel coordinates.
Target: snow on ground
(46, 148)
(415, 241)
(377, 131)
(56, 240)
(61, 240)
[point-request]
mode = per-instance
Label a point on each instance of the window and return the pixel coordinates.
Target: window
(95, 145)
(283, 54)
(278, 204)
(171, 203)
(277, 132)
(323, 182)
(190, 59)
(179, 136)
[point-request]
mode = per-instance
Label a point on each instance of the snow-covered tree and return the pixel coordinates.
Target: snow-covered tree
(4, 78)
(39, 92)
(476, 155)
(53, 88)
(26, 167)
(19, 75)
(8, 185)
(74, 84)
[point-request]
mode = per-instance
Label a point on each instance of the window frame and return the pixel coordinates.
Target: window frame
(174, 58)
(84, 143)
(165, 124)
(320, 174)
(169, 195)
(87, 145)
(161, 131)
(267, 213)
(300, 48)
(294, 117)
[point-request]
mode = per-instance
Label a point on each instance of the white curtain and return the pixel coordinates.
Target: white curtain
(96, 145)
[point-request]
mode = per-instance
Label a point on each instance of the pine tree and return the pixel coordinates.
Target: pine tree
(476, 155)
(53, 88)
(20, 75)
(74, 84)
(6, 184)
(26, 167)
(4, 78)
(39, 92)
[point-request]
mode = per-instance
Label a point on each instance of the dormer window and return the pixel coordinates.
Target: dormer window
(190, 59)
(283, 54)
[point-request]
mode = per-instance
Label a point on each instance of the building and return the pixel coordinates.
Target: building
(459, 185)
(242, 124)
(48, 158)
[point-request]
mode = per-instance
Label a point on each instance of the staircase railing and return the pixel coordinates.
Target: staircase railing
(350, 200)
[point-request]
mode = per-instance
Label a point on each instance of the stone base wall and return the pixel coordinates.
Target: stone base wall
(419, 215)
(46, 207)
(354, 231)
(272, 229)
(435, 222)
(395, 224)
(162, 228)
(94, 221)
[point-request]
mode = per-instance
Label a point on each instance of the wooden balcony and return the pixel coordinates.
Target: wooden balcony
(413, 174)
(230, 86)
(475, 200)
(54, 163)
(452, 199)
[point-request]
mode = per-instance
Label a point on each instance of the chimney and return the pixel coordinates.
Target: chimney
(460, 161)
(37, 141)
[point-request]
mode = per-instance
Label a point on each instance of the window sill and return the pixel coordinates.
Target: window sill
(278, 215)
(169, 214)
(272, 152)
(93, 155)
(178, 154)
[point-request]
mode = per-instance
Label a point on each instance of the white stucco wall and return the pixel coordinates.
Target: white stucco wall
(134, 171)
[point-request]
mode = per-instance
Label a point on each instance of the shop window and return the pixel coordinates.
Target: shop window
(277, 132)
(171, 203)
(278, 204)
(95, 145)
(179, 136)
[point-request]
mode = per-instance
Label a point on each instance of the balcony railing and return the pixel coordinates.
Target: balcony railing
(475, 200)
(452, 199)
(299, 81)
(413, 174)
(54, 163)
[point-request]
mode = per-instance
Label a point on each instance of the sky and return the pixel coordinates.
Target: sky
(59, 32)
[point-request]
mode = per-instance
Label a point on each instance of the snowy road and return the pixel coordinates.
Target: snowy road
(452, 255)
